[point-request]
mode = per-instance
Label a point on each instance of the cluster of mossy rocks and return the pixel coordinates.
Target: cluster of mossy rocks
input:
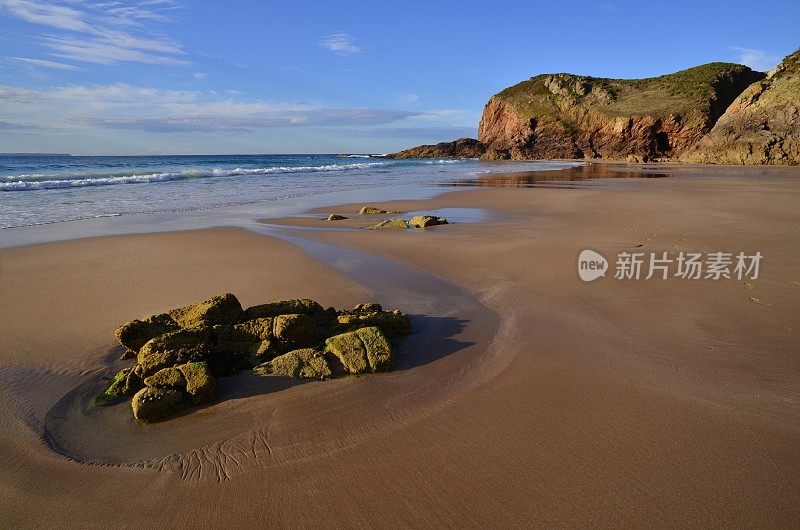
(180, 353)
(417, 221)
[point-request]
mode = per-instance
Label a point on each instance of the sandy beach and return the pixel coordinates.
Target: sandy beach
(525, 397)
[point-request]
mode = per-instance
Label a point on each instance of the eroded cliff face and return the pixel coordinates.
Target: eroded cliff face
(762, 126)
(556, 116)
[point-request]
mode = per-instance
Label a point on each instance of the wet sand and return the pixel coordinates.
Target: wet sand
(525, 398)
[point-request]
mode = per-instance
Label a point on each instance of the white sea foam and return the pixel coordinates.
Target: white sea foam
(41, 181)
(445, 161)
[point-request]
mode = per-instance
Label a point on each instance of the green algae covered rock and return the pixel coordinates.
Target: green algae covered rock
(251, 337)
(379, 351)
(166, 378)
(306, 363)
(390, 322)
(223, 309)
(136, 333)
(153, 404)
(295, 330)
(299, 306)
(185, 349)
(175, 347)
(361, 351)
(254, 330)
(116, 389)
(350, 350)
(264, 350)
(200, 384)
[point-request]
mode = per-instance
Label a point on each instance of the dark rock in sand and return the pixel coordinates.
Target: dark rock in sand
(200, 383)
(244, 334)
(371, 210)
(152, 404)
(306, 363)
(167, 378)
(224, 309)
(424, 221)
(134, 334)
(189, 346)
(302, 306)
(390, 224)
(336, 217)
(176, 347)
(295, 331)
(361, 351)
(390, 322)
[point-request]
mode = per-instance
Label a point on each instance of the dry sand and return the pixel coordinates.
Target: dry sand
(527, 398)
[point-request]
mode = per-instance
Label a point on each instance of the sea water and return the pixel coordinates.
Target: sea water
(40, 189)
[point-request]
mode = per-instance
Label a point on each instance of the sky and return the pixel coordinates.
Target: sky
(209, 77)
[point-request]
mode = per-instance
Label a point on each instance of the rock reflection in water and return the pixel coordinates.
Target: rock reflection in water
(565, 178)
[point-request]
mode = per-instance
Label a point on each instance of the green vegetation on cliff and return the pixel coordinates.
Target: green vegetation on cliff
(659, 97)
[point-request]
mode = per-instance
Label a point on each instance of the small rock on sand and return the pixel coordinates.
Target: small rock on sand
(390, 224)
(424, 221)
(371, 210)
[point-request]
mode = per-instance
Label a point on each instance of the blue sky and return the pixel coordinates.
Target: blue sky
(187, 76)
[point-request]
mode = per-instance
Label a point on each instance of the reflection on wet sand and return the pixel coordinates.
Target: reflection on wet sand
(565, 178)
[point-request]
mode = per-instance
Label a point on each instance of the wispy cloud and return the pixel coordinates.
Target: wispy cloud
(756, 59)
(408, 99)
(427, 134)
(340, 43)
(199, 75)
(7, 127)
(44, 63)
(54, 16)
(121, 106)
(100, 32)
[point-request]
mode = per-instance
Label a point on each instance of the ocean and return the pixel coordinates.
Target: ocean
(39, 189)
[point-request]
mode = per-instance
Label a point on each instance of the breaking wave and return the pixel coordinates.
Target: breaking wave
(50, 181)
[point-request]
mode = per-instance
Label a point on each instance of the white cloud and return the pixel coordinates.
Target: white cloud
(105, 33)
(459, 117)
(54, 16)
(340, 43)
(45, 64)
(127, 107)
(408, 99)
(756, 59)
(199, 75)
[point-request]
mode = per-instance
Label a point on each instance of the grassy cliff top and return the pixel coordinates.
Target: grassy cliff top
(662, 96)
(788, 68)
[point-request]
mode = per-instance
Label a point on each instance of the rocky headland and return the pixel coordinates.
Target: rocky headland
(713, 113)
(461, 148)
(762, 126)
